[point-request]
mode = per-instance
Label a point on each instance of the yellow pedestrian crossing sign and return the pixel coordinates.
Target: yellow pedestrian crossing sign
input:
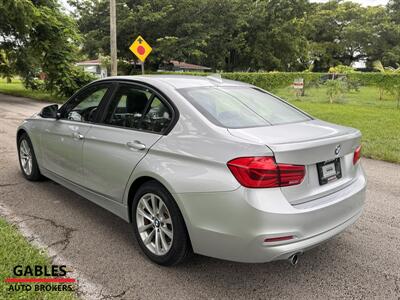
(140, 48)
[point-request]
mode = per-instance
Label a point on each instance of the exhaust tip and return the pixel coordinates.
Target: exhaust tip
(294, 259)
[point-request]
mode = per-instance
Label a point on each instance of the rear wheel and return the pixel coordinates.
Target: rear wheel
(159, 226)
(27, 159)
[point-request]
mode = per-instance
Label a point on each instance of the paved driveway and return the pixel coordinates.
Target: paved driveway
(364, 261)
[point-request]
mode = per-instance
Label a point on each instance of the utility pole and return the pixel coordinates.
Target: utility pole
(113, 38)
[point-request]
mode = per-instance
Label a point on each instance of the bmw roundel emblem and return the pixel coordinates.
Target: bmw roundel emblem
(337, 149)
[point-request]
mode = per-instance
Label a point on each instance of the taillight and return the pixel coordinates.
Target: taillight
(264, 172)
(291, 174)
(357, 155)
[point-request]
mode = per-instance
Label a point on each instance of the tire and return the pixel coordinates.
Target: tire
(171, 250)
(26, 152)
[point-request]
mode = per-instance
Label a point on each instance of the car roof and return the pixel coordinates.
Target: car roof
(180, 81)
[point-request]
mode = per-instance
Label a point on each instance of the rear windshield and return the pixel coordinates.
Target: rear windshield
(239, 107)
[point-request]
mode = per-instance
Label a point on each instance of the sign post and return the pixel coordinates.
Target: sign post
(113, 38)
(298, 85)
(141, 49)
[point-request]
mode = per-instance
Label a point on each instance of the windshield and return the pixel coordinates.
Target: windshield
(239, 107)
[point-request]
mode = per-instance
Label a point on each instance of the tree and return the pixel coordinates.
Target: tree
(38, 36)
(384, 41)
(387, 44)
(228, 35)
(240, 35)
(6, 68)
(276, 35)
(393, 8)
(337, 33)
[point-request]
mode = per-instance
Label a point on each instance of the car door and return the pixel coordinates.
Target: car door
(134, 120)
(62, 140)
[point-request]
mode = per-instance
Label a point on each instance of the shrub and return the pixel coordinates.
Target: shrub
(273, 80)
(341, 69)
(69, 81)
(334, 88)
(352, 84)
(34, 84)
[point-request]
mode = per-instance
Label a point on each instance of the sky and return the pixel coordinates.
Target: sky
(65, 4)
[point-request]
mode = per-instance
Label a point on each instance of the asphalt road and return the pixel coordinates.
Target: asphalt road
(362, 262)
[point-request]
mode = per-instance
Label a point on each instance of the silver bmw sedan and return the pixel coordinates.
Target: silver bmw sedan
(200, 164)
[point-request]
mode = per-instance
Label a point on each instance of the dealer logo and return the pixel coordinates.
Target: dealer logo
(40, 279)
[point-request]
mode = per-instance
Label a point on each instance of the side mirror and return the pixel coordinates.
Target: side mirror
(50, 112)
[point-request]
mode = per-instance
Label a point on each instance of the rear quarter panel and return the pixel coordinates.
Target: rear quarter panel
(190, 163)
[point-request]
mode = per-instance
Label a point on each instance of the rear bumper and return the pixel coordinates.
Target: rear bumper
(233, 225)
(285, 251)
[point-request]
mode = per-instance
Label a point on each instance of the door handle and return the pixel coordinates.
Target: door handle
(77, 136)
(136, 145)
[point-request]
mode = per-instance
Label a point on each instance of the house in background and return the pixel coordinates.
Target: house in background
(94, 67)
(179, 66)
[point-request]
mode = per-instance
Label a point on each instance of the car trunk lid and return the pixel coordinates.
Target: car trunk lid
(309, 143)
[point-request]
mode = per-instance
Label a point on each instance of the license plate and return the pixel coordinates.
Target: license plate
(329, 171)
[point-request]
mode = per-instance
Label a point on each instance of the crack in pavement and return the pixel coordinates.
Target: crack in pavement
(104, 297)
(67, 231)
(9, 184)
(7, 151)
(20, 221)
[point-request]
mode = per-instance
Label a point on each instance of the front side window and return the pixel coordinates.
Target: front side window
(84, 107)
(240, 107)
(138, 108)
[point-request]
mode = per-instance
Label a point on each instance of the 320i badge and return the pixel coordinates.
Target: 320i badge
(200, 164)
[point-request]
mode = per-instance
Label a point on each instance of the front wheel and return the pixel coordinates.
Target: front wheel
(27, 159)
(158, 225)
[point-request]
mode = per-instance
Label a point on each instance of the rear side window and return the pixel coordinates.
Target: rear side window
(239, 107)
(127, 107)
(158, 116)
(138, 108)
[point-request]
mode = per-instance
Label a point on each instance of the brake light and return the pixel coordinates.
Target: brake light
(264, 172)
(357, 155)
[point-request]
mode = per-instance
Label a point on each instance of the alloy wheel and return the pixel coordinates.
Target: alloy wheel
(25, 156)
(154, 224)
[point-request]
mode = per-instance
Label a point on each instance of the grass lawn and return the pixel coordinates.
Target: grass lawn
(15, 250)
(379, 121)
(16, 88)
